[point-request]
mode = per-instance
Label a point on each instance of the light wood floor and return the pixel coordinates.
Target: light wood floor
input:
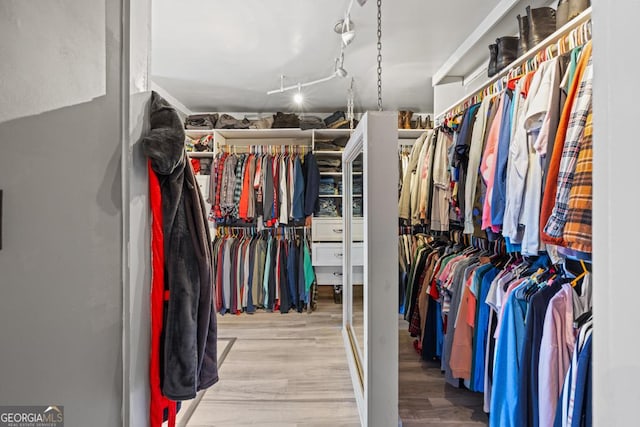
(291, 370)
(425, 399)
(282, 370)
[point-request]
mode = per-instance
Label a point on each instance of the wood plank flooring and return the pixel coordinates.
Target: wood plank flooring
(291, 370)
(425, 399)
(283, 370)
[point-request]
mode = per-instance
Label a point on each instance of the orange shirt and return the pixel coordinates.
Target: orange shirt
(551, 186)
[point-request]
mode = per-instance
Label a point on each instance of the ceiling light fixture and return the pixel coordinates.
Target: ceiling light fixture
(346, 29)
(298, 98)
(338, 71)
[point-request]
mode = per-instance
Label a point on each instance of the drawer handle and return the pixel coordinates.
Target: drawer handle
(338, 254)
(337, 274)
(337, 230)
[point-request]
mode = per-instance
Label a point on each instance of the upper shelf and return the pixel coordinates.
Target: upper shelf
(410, 133)
(551, 40)
(271, 135)
(473, 52)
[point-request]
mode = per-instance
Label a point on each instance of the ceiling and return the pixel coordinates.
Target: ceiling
(214, 55)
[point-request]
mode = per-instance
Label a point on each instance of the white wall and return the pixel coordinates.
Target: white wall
(60, 266)
(616, 204)
(53, 55)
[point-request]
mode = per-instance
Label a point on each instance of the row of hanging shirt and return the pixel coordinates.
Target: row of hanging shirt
(517, 164)
(517, 330)
(269, 270)
(266, 189)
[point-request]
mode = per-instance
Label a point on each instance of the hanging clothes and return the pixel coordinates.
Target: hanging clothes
(504, 315)
(262, 270)
(269, 190)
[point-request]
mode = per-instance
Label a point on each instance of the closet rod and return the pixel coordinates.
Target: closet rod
(576, 22)
(249, 226)
(265, 148)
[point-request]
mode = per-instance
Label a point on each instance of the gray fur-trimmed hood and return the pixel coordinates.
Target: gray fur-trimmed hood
(164, 144)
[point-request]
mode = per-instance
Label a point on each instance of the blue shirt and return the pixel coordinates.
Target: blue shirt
(482, 328)
(504, 393)
(498, 197)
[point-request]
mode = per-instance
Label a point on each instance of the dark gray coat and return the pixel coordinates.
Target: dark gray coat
(188, 346)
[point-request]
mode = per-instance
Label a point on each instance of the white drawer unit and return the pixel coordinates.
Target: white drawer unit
(331, 230)
(331, 276)
(331, 254)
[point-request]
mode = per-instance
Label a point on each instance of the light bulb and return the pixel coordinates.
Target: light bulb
(298, 98)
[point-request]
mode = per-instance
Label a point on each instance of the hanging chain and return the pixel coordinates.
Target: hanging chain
(350, 105)
(379, 55)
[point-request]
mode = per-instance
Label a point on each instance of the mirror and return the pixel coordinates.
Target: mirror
(353, 241)
(357, 254)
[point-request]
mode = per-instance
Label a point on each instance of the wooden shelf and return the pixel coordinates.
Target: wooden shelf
(337, 173)
(328, 152)
(200, 154)
(410, 133)
(286, 133)
(199, 132)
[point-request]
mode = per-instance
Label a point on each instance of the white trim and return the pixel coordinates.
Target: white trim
(379, 405)
(125, 74)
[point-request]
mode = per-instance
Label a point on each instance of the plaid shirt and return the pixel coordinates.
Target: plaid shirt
(218, 170)
(577, 230)
(228, 185)
(580, 110)
(237, 190)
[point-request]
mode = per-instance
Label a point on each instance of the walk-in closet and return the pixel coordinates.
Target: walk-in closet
(341, 213)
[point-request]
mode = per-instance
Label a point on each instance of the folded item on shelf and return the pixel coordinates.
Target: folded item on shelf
(334, 118)
(195, 164)
(341, 124)
(331, 163)
(285, 120)
(200, 121)
(311, 122)
(326, 146)
(227, 121)
(264, 123)
(327, 208)
(205, 166)
(357, 207)
(203, 144)
(341, 142)
(326, 189)
(189, 144)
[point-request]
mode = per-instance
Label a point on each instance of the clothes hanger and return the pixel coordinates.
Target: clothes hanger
(575, 281)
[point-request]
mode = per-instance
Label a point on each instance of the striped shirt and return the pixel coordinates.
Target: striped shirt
(580, 111)
(577, 230)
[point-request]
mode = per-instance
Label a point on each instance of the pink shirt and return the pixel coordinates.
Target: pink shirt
(488, 164)
(556, 348)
